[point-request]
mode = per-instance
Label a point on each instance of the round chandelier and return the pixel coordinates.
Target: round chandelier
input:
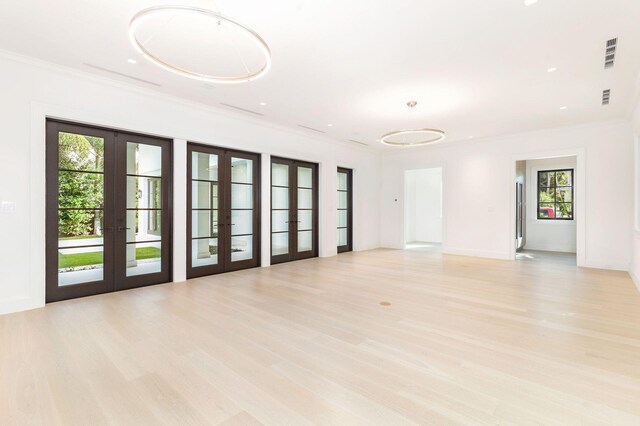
(207, 38)
(412, 137)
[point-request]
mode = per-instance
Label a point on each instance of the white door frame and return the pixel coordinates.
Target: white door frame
(579, 195)
(442, 167)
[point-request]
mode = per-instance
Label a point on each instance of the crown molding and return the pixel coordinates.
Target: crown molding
(223, 112)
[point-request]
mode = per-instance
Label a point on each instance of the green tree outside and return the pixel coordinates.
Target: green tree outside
(79, 153)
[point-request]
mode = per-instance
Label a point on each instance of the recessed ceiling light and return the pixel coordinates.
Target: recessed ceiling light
(530, 2)
(563, 107)
(552, 69)
(330, 125)
(263, 103)
(470, 137)
(132, 61)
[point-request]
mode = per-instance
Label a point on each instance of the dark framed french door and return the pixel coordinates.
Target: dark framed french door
(108, 210)
(223, 210)
(294, 210)
(345, 210)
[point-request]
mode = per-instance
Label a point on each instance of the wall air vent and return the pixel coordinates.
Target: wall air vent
(610, 53)
(358, 142)
(606, 96)
(311, 128)
(241, 109)
(121, 74)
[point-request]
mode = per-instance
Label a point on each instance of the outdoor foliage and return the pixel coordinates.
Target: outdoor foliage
(78, 190)
(556, 192)
(96, 257)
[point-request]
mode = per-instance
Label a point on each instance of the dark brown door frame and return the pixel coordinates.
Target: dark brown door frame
(349, 245)
(293, 253)
(224, 211)
(122, 281)
(114, 240)
(54, 292)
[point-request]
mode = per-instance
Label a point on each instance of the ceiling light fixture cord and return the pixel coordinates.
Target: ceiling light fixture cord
(234, 44)
(172, 17)
(409, 115)
(412, 137)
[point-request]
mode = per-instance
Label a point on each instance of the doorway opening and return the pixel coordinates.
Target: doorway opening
(545, 199)
(423, 210)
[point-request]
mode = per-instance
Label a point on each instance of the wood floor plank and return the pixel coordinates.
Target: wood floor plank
(458, 340)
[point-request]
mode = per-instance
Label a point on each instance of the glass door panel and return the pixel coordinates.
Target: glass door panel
(80, 208)
(205, 203)
(280, 175)
(224, 227)
(144, 202)
(345, 214)
(242, 213)
(279, 243)
(280, 213)
(304, 218)
(294, 196)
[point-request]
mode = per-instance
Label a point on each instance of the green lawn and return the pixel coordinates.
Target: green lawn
(80, 237)
(95, 257)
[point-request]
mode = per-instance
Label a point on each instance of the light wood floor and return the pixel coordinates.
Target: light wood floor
(463, 340)
(546, 256)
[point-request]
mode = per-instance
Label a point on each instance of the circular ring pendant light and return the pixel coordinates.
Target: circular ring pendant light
(217, 19)
(412, 137)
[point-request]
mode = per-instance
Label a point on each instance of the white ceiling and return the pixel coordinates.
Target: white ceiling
(476, 68)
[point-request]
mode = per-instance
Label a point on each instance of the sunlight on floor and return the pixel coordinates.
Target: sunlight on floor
(424, 246)
(547, 256)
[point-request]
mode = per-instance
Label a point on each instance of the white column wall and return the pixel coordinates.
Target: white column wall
(328, 214)
(180, 180)
(265, 225)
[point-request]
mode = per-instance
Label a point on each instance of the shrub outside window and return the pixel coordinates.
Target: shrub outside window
(555, 194)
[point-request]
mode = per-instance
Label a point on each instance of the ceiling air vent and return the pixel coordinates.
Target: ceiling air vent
(311, 128)
(610, 53)
(241, 109)
(606, 96)
(121, 74)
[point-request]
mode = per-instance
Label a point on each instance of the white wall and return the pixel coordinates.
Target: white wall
(423, 212)
(634, 269)
(479, 195)
(521, 177)
(549, 235)
(33, 90)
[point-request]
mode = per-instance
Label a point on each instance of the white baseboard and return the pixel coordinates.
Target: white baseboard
(606, 264)
(634, 278)
(556, 249)
(19, 305)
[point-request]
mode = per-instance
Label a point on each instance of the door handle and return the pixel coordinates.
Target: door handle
(122, 228)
